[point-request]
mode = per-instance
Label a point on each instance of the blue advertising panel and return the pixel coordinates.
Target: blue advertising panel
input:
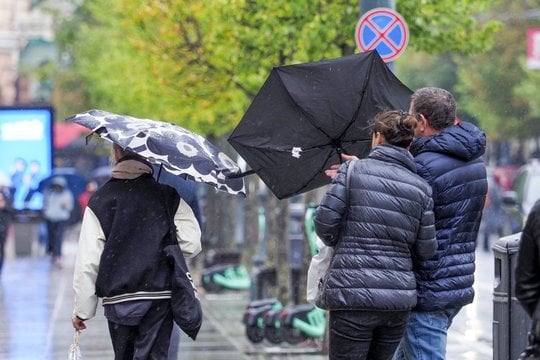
(25, 153)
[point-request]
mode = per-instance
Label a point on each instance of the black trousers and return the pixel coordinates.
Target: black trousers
(371, 335)
(147, 341)
(55, 231)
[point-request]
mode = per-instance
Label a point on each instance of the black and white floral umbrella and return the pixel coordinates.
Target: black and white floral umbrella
(180, 151)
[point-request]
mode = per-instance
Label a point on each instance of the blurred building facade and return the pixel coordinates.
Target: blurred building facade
(26, 45)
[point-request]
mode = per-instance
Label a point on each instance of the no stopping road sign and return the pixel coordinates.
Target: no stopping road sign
(384, 30)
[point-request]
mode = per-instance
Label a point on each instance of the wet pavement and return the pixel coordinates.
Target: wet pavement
(36, 301)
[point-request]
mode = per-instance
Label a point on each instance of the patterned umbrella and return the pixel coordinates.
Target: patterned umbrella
(180, 151)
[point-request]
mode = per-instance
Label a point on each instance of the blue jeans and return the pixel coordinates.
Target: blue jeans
(425, 335)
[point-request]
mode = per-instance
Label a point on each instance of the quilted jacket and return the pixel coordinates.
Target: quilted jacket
(451, 163)
(378, 225)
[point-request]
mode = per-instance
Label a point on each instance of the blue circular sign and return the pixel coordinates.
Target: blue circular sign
(384, 30)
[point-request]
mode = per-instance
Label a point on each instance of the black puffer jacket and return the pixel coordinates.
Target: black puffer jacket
(528, 265)
(377, 227)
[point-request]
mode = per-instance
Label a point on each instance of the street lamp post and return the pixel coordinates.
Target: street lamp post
(366, 5)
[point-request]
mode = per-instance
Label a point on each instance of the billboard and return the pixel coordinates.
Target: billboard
(25, 153)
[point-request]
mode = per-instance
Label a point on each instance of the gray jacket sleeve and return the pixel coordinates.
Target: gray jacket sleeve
(332, 209)
(426, 244)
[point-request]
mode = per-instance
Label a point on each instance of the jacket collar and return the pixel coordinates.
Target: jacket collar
(393, 154)
(464, 141)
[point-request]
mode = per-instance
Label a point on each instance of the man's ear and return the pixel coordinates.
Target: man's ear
(422, 122)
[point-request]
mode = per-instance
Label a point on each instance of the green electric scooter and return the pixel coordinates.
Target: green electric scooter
(298, 323)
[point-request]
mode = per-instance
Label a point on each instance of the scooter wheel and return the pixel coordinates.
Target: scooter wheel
(293, 336)
(255, 334)
(273, 334)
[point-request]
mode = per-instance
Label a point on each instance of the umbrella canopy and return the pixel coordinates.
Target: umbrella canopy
(305, 115)
(75, 182)
(180, 151)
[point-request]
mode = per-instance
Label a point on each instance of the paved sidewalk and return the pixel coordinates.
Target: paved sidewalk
(36, 301)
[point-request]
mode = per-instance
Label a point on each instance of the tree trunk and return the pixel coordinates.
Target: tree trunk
(276, 223)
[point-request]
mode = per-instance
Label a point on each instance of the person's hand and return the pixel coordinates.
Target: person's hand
(78, 323)
(332, 172)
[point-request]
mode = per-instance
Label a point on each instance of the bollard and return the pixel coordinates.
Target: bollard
(510, 321)
(26, 226)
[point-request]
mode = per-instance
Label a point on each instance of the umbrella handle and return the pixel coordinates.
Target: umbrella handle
(242, 174)
(339, 150)
(159, 172)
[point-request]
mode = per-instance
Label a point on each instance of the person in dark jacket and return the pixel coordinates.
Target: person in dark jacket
(448, 154)
(378, 216)
(528, 268)
(124, 230)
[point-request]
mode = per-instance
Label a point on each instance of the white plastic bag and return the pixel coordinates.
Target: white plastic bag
(74, 350)
(317, 269)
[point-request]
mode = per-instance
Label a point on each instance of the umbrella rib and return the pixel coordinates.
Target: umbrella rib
(364, 87)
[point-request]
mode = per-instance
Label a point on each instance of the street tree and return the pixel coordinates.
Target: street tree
(199, 63)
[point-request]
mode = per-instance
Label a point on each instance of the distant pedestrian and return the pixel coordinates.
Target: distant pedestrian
(6, 217)
(493, 216)
(120, 257)
(58, 203)
(84, 197)
(378, 216)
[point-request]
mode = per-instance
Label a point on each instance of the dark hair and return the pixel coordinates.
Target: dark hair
(396, 126)
(437, 105)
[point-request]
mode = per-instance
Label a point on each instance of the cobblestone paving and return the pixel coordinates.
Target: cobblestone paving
(36, 301)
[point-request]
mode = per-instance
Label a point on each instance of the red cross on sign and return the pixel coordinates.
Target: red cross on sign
(384, 30)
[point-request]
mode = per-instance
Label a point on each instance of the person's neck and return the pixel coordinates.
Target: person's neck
(429, 131)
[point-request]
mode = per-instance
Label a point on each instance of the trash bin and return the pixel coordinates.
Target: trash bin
(263, 278)
(510, 321)
(26, 226)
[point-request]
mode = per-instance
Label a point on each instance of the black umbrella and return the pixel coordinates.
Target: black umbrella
(180, 151)
(305, 115)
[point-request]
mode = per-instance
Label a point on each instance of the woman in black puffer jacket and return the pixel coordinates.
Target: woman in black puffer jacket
(378, 220)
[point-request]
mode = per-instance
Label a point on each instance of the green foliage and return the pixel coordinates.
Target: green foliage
(438, 26)
(496, 88)
(419, 69)
(198, 63)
